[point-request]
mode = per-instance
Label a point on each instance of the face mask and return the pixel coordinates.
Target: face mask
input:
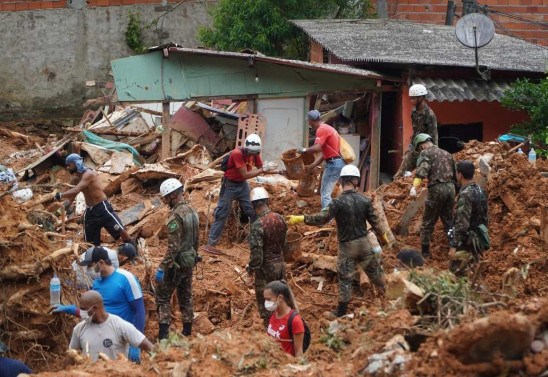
(85, 315)
(270, 305)
(97, 269)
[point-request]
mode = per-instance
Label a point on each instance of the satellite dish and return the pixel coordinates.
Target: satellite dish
(475, 30)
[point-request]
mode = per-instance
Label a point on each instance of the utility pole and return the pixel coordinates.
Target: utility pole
(450, 12)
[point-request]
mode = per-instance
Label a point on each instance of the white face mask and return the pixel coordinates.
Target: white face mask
(270, 305)
(85, 315)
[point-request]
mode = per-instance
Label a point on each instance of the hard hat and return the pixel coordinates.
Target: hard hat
(419, 139)
(253, 143)
(128, 250)
(350, 171)
(417, 90)
(169, 185)
(258, 193)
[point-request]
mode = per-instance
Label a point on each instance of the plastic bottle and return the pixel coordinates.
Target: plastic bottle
(520, 151)
(532, 156)
(54, 290)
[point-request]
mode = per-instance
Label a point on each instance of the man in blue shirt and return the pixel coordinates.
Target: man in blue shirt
(11, 367)
(121, 293)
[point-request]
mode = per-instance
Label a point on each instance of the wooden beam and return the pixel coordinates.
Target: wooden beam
(108, 131)
(410, 212)
(166, 135)
(374, 167)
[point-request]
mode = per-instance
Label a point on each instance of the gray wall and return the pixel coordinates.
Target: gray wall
(46, 56)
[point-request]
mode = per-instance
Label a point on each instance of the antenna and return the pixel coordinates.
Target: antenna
(476, 30)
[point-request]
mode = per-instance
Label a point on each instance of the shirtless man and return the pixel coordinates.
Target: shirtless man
(99, 212)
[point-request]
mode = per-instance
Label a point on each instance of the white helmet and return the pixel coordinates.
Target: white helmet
(350, 171)
(253, 143)
(258, 193)
(417, 90)
(169, 185)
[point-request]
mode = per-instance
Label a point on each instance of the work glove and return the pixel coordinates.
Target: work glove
(385, 239)
(295, 219)
(413, 192)
(67, 309)
(407, 174)
(58, 197)
(271, 165)
(301, 150)
(134, 354)
(159, 275)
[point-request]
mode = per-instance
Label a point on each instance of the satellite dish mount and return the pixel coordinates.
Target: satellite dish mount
(476, 30)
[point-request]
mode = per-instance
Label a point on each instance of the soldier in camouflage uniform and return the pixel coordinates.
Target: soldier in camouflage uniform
(470, 213)
(424, 121)
(439, 167)
(267, 242)
(175, 270)
(351, 211)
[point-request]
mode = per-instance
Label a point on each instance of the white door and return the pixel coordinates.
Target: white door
(285, 125)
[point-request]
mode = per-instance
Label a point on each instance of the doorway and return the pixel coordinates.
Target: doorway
(452, 137)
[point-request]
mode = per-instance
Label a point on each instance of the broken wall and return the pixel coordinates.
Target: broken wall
(48, 55)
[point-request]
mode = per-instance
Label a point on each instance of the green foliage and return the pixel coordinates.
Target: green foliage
(134, 33)
(263, 25)
(532, 98)
(332, 341)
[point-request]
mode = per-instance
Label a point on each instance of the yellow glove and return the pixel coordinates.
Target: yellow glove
(385, 239)
(417, 182)
(294, 219)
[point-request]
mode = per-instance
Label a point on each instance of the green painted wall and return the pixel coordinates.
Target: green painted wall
(184, 76)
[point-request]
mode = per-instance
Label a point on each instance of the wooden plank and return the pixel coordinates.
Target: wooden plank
(410, 212)
(60, 145)
(131, 215)
(148, 111)
(544, 228)
(99, 131)
(166, 135)
(374, 165)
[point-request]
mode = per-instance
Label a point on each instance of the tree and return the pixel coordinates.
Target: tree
(263, 25)
(532, 98)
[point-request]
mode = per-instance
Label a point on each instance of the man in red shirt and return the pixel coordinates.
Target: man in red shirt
(328, 143)
(243, 164)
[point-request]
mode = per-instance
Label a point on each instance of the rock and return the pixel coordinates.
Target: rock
(538, 346)
(202, 324)
(301, 203)
(374, 367)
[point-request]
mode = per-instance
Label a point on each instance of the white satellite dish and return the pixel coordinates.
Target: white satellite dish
(476, 30)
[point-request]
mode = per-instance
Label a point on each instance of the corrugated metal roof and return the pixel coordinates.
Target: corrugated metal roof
(450, 90)
(404, 42)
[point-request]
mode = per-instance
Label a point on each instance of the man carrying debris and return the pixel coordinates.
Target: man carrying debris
(101, 332)
(234, 186)
(471, 220)
(328, 143)
(120, 291)
(351, 211)
(438, 166)
(175, 270)
(424, 121)
(99, 213)
(267, 242)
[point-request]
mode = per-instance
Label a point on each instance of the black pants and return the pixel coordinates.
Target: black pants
(100, 216)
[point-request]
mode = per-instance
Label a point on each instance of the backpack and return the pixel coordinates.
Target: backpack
(224, 161)
(307, 335)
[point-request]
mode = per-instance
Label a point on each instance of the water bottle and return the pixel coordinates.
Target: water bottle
(532, 156)
(54, 290)
(520, 151)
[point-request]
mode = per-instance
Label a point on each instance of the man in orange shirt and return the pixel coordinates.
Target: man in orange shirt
(328, 143)
(243, 164)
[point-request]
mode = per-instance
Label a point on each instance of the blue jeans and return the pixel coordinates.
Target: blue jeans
(229, 192)
(331, 173)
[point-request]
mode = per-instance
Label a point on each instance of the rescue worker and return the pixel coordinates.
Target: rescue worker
(471, 218)
(351, 211)
(328, 143)
(423, 121)
(99, 213)
(267, 242)
(243, 164)
(175, 270)
(438, 166)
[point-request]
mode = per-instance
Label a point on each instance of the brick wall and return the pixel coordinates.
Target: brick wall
(17, 5)
(433, 11)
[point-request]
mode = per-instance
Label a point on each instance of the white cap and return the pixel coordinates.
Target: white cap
(169, 185)
(258, 193)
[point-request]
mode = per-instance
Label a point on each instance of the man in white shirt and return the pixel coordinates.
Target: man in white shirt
(103, 332)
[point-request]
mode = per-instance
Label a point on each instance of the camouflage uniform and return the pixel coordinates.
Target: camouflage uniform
(182, 246)
(267, 242)
(351, 210)
(424, 122)
(438, 166)
(470, 212)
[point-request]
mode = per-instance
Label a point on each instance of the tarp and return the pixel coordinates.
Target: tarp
(112, 145)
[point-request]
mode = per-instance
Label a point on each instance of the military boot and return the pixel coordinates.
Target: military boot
(163, 332)
(341, 309)
(187, 328)
(426, 251)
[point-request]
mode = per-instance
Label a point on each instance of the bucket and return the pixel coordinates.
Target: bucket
(293, 249)
(307, 184)
(294, 165)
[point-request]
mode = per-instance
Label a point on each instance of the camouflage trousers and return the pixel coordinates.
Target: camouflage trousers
(352, 253)
(267, 273)
(439, 204)
(181, 281)
(408, 163)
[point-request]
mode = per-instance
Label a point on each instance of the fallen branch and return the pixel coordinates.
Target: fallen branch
(216, 292)
(24, 271)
